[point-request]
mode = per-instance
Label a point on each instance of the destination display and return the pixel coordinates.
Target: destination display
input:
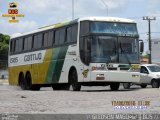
(114, 28)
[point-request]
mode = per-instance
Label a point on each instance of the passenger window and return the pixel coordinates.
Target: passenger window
(35, 46)
(84, 28)
(17, 46)
(29, 43)
(39, 40)
(74, 33)
(50, 38)
(45, 44)
(69, 34)
(62, 36)
(57, 37)
(144, 70)
(25, 43)
(20, 45)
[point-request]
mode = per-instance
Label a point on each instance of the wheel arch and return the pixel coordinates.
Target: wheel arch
(70, 70)
(19, 77)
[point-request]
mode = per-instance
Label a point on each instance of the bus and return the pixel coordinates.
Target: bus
(89, 51)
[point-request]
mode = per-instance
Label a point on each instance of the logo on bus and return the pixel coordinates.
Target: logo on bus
(85, 73)
(32, 57)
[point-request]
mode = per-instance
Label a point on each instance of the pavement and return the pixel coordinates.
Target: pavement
(89, 100)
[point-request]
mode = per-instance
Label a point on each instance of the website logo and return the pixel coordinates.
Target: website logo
(13, 12)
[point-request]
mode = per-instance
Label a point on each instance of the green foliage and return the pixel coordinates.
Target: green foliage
(4, 46)
(145, 56)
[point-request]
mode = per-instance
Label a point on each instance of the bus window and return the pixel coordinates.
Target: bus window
(45, 39)
(62, 35)
(25, 44)
(57, 37)
(29, 43)
(50, 38)
(74, 33)
(84, 28)
(39, 40)
(16, 46)
(69, 34)
(35, 41)
(20, 44)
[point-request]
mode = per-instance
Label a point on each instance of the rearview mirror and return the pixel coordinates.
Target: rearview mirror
(141, 46)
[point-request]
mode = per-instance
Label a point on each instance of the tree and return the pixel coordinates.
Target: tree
(4, 46)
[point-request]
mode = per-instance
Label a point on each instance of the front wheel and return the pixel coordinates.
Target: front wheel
(155, 84)
(73, 78)
(114, 86)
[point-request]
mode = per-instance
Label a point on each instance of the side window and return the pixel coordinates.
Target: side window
(69, 34)
(50, 38)
(144, 69)
(62, 35)
(29, 43)
(85, 49)
(12, 46)
(74, 33)
(25, 43)
(57, 32)
(17, 45)
(35, 46)
(84, 28)
(20, 45)
(39, 40)
(45, 39)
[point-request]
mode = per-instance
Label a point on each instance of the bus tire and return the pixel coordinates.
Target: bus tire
(73, 78)
(30, 86)
(155, 84)
(126, 85)
(114, 86)
(22, 82)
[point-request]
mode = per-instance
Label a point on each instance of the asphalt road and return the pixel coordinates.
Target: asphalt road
(88, 101)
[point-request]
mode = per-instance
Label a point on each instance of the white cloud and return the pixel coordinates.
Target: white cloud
(60, 8)
(20, 27)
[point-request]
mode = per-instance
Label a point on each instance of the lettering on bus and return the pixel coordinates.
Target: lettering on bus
(32, 57)
(14, 60)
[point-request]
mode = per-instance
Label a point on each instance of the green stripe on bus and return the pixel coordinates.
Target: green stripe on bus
(56, 64)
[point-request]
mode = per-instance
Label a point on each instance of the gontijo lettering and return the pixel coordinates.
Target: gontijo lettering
(32, 57)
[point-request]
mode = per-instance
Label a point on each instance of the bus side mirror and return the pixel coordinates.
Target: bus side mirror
(141, 46)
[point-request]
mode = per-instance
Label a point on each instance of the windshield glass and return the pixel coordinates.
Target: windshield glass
(128, 50)
(114, 28)
(114, 49)
(155, 68)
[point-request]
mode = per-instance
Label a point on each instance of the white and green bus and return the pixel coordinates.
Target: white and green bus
(90, 51)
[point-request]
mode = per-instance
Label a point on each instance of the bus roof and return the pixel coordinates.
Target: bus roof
(109, 19)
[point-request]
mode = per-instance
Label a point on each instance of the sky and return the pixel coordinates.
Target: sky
(40, 13)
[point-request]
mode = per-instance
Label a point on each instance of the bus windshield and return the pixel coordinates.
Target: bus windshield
(114, 49)
(113, 28)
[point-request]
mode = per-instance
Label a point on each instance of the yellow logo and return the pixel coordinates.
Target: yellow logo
(13, 12)
(85, 73)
